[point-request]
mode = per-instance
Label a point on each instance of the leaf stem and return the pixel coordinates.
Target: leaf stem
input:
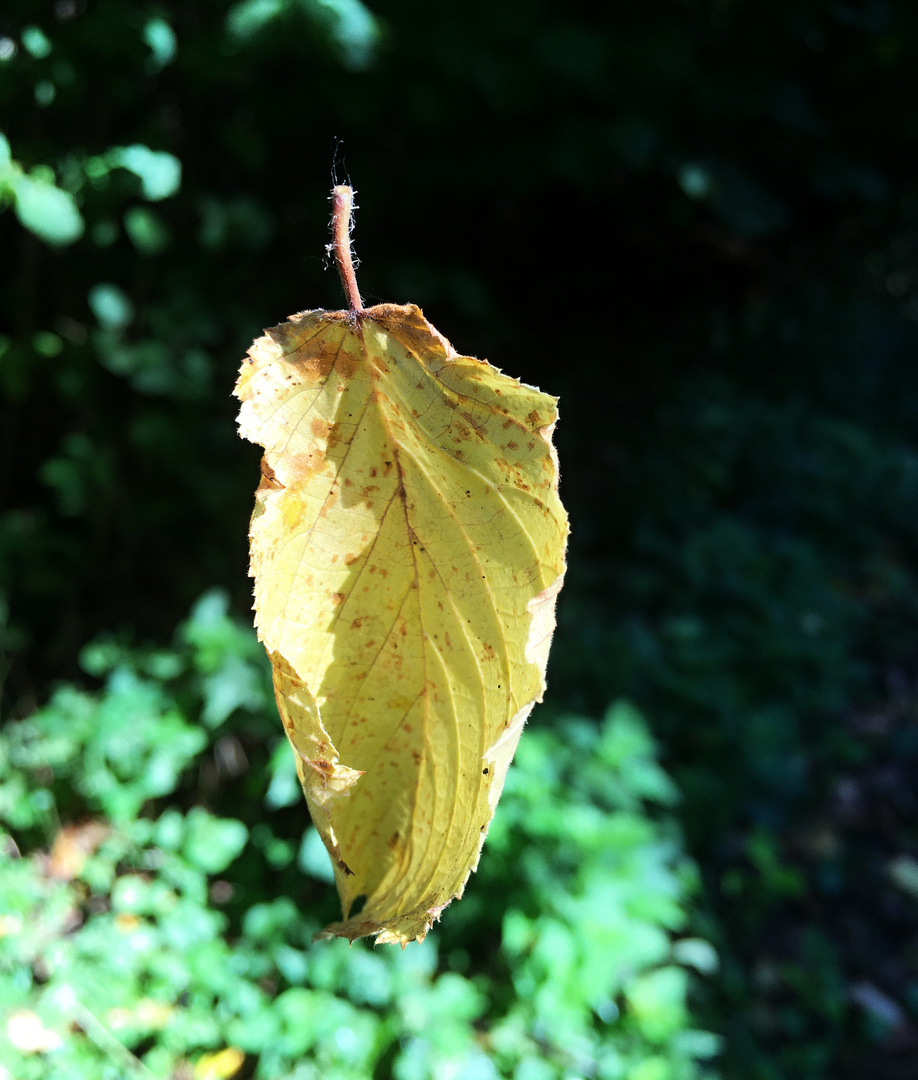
(342, 224)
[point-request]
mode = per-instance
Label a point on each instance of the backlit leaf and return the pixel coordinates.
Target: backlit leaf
(407, 547)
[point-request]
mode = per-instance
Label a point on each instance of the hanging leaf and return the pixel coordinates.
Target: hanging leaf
(407, 547)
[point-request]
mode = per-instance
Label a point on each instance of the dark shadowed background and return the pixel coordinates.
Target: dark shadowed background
(696, 221)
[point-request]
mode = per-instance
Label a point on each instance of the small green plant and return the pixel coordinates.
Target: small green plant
(146, 932)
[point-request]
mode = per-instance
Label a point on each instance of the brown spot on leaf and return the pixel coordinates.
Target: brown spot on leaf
(298, 466)
(345, 364)
(268, 477)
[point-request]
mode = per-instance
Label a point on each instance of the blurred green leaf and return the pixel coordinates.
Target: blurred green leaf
(146, 230)
(657, 999)
(35, 42)
(111, 306)
(212, 843)
(46, 210)
(159, 172)
(160, 37)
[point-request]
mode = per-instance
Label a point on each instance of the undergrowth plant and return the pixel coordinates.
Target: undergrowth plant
(160, 888)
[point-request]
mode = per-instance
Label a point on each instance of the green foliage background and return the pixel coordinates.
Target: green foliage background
(695, 220)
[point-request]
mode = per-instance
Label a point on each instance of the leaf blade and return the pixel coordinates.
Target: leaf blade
(407, 522)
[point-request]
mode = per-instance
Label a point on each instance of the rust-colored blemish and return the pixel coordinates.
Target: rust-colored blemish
(511, 446)
(298, 466)
(487, 652)
(393, 841)
(314, 359)
(356, 624)
(337, 598)
(350, 559)
(320, 428)
(345, 364)
(268, 476)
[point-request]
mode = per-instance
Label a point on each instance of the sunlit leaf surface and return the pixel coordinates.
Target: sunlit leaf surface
(407, 547)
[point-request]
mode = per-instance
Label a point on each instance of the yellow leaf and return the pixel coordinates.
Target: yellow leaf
(219, 1065)
(407, 547)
